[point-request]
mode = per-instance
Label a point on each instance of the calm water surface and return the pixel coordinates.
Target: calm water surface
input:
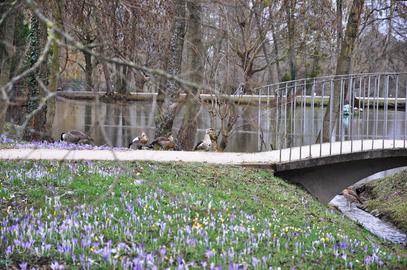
(117, 124)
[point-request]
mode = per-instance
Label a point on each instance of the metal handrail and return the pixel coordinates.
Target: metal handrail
(370, 108)
(332, 76)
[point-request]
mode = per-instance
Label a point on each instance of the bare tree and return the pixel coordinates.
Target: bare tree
(54, 67)
(343, 65)
(194, 70)
(37, 40)
(170, 106)
(289, 6)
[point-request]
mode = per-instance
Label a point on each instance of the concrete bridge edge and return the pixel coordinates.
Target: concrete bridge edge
(326, 177)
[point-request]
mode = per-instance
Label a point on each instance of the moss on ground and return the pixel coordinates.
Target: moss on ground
(388, 196)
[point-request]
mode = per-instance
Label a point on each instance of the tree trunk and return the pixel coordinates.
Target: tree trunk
(35, 129)
(338, 26)
(108, 79)
(88, 71)
(276, 53)
(228, 123)
(18, 94)
(170, 106)
(186, 134)
(263, 35)
(54, 69)
(290, 8)
(316, 57)
(343, 65)
(6, 51)
(120, 79)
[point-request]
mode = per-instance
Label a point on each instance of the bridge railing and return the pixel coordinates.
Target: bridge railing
(333, 114)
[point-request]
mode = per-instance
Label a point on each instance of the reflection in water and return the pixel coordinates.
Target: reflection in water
(117, 124)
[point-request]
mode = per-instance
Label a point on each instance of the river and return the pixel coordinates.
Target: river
(116, 124)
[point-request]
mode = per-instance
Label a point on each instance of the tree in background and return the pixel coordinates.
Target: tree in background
(194, 68)
(171, 104)
(343, 65)
(250, 43)
(13, 31)
(35, 108)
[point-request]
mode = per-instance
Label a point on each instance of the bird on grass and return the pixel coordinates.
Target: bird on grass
(206, 143)
(351, 196)
(163, 143)
(140, 143)
(75, 136)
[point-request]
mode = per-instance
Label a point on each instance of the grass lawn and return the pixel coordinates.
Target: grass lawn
(145, 215)
(389, 197)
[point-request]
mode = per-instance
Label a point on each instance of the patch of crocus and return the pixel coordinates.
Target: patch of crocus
(150, 228)
(5, 140)
(57, 266)
(55, 145)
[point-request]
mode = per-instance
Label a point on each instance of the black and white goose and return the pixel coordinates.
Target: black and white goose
(206, 143)
(75, 136)
(139, 143)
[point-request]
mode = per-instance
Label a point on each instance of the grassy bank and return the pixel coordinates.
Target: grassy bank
(101, 215)
(388, 198)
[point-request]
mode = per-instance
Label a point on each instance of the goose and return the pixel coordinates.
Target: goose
(206, 143)
(75, 136)
(351, 196)
(163, 143)
(139, 142)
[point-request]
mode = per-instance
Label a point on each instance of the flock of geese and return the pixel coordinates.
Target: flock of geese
(209, 142)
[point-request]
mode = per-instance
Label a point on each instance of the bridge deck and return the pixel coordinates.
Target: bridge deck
(261, 158)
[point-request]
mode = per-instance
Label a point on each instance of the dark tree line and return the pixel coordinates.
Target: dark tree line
(215, 46)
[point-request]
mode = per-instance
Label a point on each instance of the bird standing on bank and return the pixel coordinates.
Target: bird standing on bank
(139, 143)
(75, 136)
(163, 143)
(351, 196)
(206, 143)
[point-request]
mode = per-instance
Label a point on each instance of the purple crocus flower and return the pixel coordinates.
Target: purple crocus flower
(106, 253)
(57, 266)
(343, 245)
(137, 264)
(150, 259)
(255, 261)
(23, 265)
(180, 260)
(9, 250)
(163, 250)
(209, 253)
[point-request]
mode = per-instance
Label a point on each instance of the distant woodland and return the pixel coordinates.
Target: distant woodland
(184, 46)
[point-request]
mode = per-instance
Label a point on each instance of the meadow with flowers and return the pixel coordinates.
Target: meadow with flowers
(146, 215)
